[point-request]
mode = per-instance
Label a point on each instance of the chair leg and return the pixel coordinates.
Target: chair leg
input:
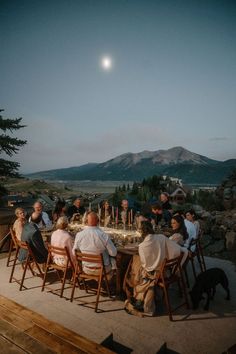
(44, 277)
(107, 285)
(186, 277)
(193, 268)
(14, 264)
(24, 272)
(73, 287)
(167, 301)
(202, 260)
(63, 282)
(98, 292)
(184, 289)
(10, 252)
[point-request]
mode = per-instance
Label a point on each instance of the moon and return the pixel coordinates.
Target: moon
(106, 63)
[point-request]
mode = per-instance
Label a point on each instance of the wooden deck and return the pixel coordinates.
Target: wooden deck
(25, 331)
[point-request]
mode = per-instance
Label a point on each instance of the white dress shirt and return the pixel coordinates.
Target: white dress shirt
(93, 240)
(192, 233)
(155, 248)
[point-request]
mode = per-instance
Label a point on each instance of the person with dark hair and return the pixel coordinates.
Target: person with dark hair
(191, 230)
(180, 234)
(59, 210)
(140, 280)
(32, 235)
(164, 197)
(191, 216)
(159, 215)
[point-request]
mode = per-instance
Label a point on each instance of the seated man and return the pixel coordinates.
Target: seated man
(126, 213)
(93, 240)
(32, 235)
(164, 197)
(160, 216)
(45, 221)
(76, 211)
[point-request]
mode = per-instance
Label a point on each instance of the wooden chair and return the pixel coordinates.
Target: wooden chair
(12, 247)
(195, 252)
(80, 275)
(171, 272)
(60, 252)
(28, 263)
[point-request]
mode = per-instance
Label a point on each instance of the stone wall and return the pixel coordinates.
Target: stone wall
(219, 233)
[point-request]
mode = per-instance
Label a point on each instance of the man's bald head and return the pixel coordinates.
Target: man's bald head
(92, 219)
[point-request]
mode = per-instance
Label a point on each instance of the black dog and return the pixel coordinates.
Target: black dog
(206, 283)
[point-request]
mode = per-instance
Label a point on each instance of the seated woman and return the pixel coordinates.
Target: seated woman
(59, 210)
(62, 238)
(105, 214)
(180, 233)
(20, 222)
(140, 279)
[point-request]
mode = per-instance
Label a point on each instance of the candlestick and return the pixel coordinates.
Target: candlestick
(113, 212)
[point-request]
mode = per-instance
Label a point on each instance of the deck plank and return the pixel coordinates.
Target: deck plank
(25, 343)
(55, 343)
(8, 347)
(80, 342)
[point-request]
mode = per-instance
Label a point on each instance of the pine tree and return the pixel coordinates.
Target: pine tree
(9, 145)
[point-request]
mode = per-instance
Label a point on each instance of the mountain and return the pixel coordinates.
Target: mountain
(177, 162)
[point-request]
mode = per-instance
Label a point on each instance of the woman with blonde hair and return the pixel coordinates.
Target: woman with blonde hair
(62, 238)
(20, 222)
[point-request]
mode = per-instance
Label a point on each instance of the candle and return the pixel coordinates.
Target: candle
(90, 206)
(131, 216)
(117, 215)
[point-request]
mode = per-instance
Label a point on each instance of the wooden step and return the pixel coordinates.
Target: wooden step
(32, 333)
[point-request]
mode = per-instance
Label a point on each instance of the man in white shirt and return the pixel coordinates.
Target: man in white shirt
(45, 222)
(93, 240)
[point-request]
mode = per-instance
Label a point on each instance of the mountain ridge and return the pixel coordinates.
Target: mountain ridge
(176, 162)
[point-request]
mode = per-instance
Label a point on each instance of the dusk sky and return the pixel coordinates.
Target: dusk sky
(170, 81)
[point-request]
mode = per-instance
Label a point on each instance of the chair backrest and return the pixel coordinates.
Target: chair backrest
(94, 259)
(59, 251)
(170, 268)
(13, 237)
(25, 246)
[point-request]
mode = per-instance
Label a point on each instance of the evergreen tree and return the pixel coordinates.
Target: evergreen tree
(9, 145)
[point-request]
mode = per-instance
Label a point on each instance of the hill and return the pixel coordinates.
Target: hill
(177, 162)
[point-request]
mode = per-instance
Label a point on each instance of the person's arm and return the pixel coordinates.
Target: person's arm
(142, 257)
(46, 219)
(69, 245)
(111, 249)
(76, 244)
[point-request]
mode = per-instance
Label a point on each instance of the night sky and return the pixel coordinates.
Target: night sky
(172, 80)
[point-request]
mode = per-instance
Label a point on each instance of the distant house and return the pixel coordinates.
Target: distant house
(178, 196)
